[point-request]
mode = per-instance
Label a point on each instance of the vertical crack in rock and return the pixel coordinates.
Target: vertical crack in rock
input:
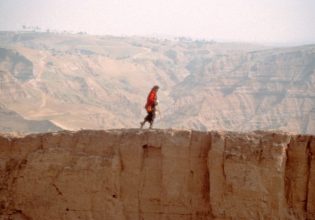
(206, 185)
(121, 170)
(261, 151)
(199, 175)
(296, 178)
(118, 154)
(149, 192)
(287, 177)
(217, 174)
(309, 159)
(141, 177)
(191, 173)
(310, 201)
(209, 172)
(223, 158)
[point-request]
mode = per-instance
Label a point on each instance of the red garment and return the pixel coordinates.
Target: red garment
(151, 98)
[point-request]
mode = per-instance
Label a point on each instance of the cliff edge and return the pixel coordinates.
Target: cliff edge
(157, 174)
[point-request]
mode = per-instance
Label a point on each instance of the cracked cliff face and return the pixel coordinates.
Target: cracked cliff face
(157, 174)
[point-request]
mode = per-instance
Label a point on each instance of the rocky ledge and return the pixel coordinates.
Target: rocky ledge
(157, 174)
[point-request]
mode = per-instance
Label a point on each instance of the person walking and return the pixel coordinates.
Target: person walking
(151, 106)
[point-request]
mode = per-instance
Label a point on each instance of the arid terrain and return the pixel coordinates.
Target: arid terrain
(128, 174)
(77, 81)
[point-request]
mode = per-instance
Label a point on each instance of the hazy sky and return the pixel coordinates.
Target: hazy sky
(282, 21)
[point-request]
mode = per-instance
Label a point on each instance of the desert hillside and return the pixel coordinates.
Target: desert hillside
(13, 123)
(157, 174)
(98, 82)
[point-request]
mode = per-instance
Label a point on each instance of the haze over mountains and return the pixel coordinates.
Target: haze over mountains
(101, 82)
(12, 122)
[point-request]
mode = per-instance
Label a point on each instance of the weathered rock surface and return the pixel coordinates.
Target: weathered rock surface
(157, 174)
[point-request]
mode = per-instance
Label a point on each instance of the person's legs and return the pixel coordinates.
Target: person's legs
(142, 123)
(152, 118)
(146, 119)
(149, 118)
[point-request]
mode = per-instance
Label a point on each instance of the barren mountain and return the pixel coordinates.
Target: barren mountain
(11, 122)
(97, 82)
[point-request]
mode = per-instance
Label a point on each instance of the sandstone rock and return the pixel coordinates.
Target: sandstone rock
(157, 174)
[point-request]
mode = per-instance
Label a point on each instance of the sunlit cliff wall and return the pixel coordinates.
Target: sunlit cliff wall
(157, 174)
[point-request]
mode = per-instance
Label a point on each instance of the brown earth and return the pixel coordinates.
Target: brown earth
(157, 174)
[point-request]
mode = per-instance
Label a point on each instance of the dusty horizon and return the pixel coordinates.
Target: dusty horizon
(285, 22)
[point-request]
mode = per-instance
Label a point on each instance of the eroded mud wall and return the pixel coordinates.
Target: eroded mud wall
(157, 174)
